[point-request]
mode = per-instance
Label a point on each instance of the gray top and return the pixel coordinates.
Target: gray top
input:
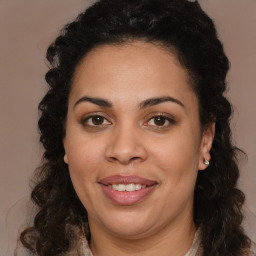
(82, 248)
(195, 249)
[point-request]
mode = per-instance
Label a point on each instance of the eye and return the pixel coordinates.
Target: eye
(96, 120)
(160, 121)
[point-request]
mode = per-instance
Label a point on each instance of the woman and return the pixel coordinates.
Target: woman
(138, 154)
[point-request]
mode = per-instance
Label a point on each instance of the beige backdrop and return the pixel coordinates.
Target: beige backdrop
(27, 27)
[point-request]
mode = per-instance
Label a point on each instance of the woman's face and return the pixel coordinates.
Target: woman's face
(133, 140)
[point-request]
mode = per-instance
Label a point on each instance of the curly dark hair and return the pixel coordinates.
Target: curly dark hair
(180, 26)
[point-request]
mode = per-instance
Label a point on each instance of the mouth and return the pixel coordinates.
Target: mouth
(127, 190)
(129, 187)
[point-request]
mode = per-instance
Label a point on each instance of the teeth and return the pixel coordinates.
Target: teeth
(121, 187)
(129, 187)
(137, 186)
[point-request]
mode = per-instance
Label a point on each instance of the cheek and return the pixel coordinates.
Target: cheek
(177, 151)
(84, 165)
(177, 159)
(84, 161)
(177, 165)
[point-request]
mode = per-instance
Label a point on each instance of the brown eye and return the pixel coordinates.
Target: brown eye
(96, 120)
(159, 120)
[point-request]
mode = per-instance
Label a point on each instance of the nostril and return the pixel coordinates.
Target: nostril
(134, 158)
(113, 158)
(127, 160)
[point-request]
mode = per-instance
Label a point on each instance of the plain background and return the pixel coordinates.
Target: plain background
(27, 27)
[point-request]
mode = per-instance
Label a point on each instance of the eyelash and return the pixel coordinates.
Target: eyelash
(85, 121)
(168, 121)
(88, 119)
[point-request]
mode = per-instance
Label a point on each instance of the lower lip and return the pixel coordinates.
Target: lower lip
(125, 197)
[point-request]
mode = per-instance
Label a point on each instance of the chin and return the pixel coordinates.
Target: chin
(134, 231)
(128, 225)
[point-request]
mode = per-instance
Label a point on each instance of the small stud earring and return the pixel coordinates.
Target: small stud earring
(206, 162)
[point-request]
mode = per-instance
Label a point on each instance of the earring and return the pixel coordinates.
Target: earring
(206, 162)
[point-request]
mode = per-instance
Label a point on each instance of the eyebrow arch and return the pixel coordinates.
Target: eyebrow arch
(155, 101)
(97, 101)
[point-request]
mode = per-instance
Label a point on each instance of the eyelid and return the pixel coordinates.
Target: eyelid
(94, 114)
(167, 116)
(170, 118)
(163, 114)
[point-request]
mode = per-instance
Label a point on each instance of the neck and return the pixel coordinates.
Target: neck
(173, 240)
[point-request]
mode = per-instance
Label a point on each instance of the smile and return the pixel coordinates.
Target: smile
(130, 187)
(127, 190)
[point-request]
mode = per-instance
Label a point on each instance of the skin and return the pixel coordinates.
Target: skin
(129, 141)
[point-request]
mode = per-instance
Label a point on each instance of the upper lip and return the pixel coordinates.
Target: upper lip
(119, 179)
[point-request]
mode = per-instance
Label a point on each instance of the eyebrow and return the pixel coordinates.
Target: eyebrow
(97, 101)
(155, 101)
(144, 104)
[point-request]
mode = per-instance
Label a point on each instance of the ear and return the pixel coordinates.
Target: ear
(206, 145)
(65, 158)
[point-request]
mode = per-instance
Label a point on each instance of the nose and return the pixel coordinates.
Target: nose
(126, 146)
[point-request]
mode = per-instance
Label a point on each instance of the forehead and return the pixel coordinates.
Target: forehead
(130, 54)
(147, 69)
